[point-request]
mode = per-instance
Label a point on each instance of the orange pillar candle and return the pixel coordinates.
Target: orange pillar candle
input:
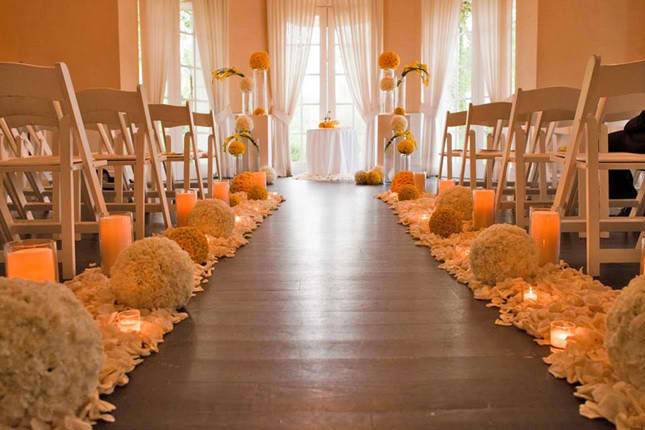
(444, 184)
(115, 234)
(560, 332)
(643, 256)
(260, 179)
(420, 181)
(483, 208)
(545, 230)
(32, 259)
(221, 191)
(184, 203)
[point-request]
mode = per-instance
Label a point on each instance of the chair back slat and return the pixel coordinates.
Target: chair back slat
(456, 119)
(27, 80)
(103, 105)
(489, 113)
(170, 115)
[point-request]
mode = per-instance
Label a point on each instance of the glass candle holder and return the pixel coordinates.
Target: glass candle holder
(130, 321)
(444, 184)
(404, 163)
(545, 230)
(247, 102)
(115, 234)
(185, 201)
(424, 218)
(530, 294)
(31, 259)
(221, 190)
(560, 332)
(420, 181)
(401, 96)
(260, 92)
(387, 96)
(237, 219)
(483, 208)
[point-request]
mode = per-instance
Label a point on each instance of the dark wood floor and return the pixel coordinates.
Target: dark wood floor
(332, 319)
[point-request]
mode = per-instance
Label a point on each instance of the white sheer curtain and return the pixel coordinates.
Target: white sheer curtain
(159, 47)
(492, 25)
(359, 26)
(439, 32)
(211, 19)
(290, 24)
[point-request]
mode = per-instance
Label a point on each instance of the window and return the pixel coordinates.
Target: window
(324, 89)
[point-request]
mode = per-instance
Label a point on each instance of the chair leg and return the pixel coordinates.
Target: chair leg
(67, 209)
(139, 189)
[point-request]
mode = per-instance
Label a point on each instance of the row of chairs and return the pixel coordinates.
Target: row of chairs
(525, 134)
(52, 178)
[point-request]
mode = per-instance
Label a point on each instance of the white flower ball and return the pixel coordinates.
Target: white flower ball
(387, 83)
(270, 172)
(213, 217)
(153, 273)
(246, 85)
(51, 353)
(458, 198)
(399, 123)
(243, 123)
(625, 337)
(503, 251)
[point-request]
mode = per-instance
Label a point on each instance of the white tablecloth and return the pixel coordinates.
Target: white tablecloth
(331, 152)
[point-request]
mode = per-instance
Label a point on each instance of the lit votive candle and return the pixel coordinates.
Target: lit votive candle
(32, 259)
(420, 181)
(444, 184)
(130, 321)
(184, 203)
(221, 190)
(530, 295)
(260, 179)
(237, 219)
(483, 208)
(115, 234)
(560, 332)
(545, 230)
(424, 218)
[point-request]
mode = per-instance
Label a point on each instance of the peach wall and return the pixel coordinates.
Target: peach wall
(84, 34)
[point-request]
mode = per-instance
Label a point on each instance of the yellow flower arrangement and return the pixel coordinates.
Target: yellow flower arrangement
(374, 177)
(400, 179)
(389, 60)
(259, 60)
(242, 182)
(236, 148)
(257, 192)
(360, 177)
(226, 72)
(234, 199)
(445, 222)
(408, 192)
(259, 111)
(406, 146)
(399, 110)
(418, 67)
(191, 240)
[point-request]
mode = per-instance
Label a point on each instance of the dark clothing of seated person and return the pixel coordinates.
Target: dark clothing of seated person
(631, 139)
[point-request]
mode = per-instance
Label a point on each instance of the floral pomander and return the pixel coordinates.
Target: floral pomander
(399, 123)
(360, 177)
(259, 60)
(400, 179)
(257, 192)
(408, 192)
(236, 148)
(458, 198)
(213, 217)
(243, 123)
(387, 83)
(389, 60)
(406, 146)
(445, 222)
(191, 240)
(242, 182)
(246, 85)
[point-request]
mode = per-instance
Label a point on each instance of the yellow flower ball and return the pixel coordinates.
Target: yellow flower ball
(259, 60)
(408, 192)
(257, 192)
(458, 198)
(191, 240)
(259, 111)
(360, 177)
(242, 182)
(236, 148)
(399, 110)
(387, 83)
(400, 179)
(445, 222)
(389, 60)
(234, 199)
(374, 177)
(406, 146)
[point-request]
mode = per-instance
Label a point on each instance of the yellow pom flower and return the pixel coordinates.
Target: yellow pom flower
(400, 179)
(374, 177)
(257, 192)
(389, 60)
(406, 146)
(191, 240)
(399, 110)
(259, 60)
(242, 182)
(408, 192)
(259, 111)
(236, 148)
(234, 200)
(445, 222)
(360, 177)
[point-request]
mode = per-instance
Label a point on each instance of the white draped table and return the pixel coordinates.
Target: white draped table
(331, 152)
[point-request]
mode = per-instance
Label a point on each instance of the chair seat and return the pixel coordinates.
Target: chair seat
(179, 156)
(533, 157)
(121, 159)
(454, 152)
(41, 163)
(617, 160)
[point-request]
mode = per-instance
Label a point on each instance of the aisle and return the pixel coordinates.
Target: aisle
(332, 319)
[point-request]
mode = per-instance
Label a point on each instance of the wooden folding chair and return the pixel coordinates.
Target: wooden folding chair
(127, 112)
(213, 153)
(533, 118)
(492, 115)
(43, 97)
(609, 93)
(453, 119)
